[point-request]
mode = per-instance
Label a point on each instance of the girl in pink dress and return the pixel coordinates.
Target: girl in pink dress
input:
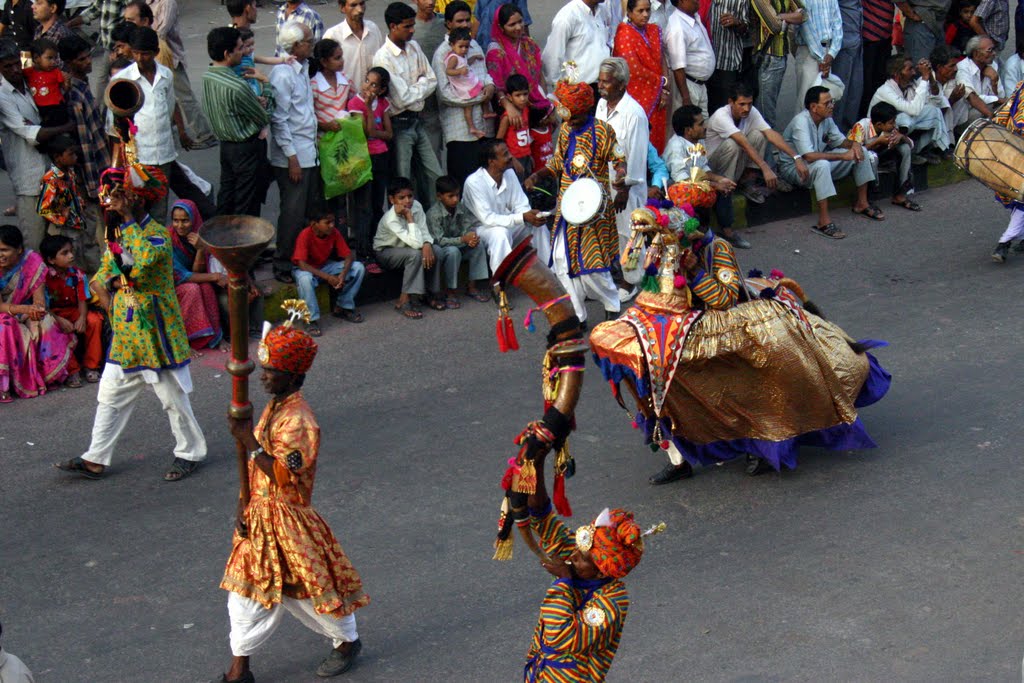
(464, 82)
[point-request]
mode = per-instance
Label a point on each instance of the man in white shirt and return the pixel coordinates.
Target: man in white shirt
(944, 60)
(579, 33)
(1012, 72)
(12, 669)
(918, 104)
(494, 196)
(412, 81)
(293, 150)
(689, 55)
(359, 39)
(627, 118)
(981, 87)
(154, 139)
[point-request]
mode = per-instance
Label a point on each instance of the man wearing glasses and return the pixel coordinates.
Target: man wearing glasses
(828, 156)
(978, 76)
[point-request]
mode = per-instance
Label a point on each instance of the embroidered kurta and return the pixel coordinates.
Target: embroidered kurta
(592, 247)
(290, 551)
(148, 331)
(580, 621)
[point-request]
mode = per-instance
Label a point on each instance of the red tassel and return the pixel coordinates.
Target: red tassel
(510, 334)
(499, 332)
(506, 480)
(558, 497)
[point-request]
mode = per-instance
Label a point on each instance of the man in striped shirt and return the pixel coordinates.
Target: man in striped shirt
(876, 33)
(237, 117)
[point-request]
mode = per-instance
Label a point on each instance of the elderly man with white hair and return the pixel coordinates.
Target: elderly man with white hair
(632, 132)
(918, 103)
(978, 77)
(293, 152)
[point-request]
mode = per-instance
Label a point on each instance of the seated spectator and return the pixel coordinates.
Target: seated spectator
(46, 82)
(495, 197)
(517, 98)
(737, 139)
(453, 228)
(1012, 72)
(959, 31)
(62, 203)
(657, 173)
(917, 104)
(196, 277)
(322, 255)
(944, 60)
(403, 241)
(879, 135)
(829, 156)
(976, 74)
(67, 294)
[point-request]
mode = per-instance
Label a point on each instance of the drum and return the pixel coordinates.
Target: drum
(582, 201)
(994, 157)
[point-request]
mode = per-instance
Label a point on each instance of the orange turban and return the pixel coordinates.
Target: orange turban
(577, 98)
(617, 548)
(288, 350)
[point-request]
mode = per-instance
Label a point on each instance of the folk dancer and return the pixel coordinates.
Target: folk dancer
(1011, 115)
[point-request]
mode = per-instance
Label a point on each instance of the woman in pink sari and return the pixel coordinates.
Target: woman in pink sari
(34, 352)
(196, 276)
(638, 41)
(513, 52)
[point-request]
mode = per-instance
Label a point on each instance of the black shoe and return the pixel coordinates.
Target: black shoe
(247, 677)
(1001, 252)
(671, 473)
(338, 663)
(611, 315)
(757, 466)
(1019, 247)
(737, 241)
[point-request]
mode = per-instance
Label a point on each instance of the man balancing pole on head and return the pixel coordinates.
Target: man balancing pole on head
(284, 554)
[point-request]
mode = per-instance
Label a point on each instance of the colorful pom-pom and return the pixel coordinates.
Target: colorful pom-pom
(634, 424)
(776, 274)
(679, 281)
(664, 445)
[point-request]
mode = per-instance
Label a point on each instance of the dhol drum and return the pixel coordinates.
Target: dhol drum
(994, 157)
(582, 201)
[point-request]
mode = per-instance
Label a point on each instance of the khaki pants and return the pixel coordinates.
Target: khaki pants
(730, 160)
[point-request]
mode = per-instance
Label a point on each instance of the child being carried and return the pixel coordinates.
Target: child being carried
(465, 83)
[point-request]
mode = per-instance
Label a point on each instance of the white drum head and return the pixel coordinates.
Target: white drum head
(581, 201)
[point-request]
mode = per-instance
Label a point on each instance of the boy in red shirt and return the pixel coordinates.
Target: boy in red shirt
(322, 255)
(542, 147)
(67, 293)
(46, 83)
(517, 89)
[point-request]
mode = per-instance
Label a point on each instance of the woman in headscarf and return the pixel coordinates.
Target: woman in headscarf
(638, 41)
(196, 277)
(513, 52)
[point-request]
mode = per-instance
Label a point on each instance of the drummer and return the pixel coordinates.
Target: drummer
(582, 255)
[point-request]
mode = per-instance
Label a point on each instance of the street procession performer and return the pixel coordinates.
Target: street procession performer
(722, 366)
(583, 613)
(1011, 115)
(284, 555)
(582, 256)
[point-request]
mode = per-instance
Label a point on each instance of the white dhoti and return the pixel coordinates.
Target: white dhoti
(252, 624)
(599, 286)
(116, 398)
(499, 241)
(1015, 229)
(932, 125)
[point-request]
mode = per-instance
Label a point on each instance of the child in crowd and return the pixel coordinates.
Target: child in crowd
(322, 255)
(517, 90)
(878, 134)
(67, 294)
(61, 202)
(465, 83)
(248, 61)
(46, 83)
(403, 241)
(542, 146)
(331, 90)
(367, 202)
(452, 226)
(958, 28)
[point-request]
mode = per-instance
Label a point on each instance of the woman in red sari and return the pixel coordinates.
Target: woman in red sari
(638, 41)
(513, 52)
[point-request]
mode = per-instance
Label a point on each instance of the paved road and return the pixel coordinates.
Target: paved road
(898, 563)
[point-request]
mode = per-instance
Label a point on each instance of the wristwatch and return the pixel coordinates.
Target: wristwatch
(254, 453)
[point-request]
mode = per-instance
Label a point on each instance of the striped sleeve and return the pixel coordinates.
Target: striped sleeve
(721, 289)
(554, 536)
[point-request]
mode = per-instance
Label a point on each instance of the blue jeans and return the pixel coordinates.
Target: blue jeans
(770, 72)
(307, 282)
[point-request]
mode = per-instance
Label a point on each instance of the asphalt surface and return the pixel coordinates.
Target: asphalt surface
(898, 563)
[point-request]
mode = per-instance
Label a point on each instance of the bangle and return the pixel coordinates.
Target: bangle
(255, 453)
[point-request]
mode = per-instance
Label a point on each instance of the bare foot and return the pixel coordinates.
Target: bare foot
(195, 354)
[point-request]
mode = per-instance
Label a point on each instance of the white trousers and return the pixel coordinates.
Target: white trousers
(674, 456)
(599, 286)
(118, 392)
(698, 98)
(806, 73)
(1015, 228)
(499, 242)
(252, 624)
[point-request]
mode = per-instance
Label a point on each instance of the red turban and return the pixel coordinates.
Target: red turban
(288, 350)
(578, 98)
(617, 548)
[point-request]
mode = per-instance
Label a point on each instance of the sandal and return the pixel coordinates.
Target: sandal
(373, 268)
(436, 303)
(409, 311)
(830, 231)
(313, 330)
(349, 314)
(78, 466)
(907, 204)
(92, 376)
(872, 212)
(74, 381)
(451, 302)
(479, 296)
(5, 397)
(180, 469)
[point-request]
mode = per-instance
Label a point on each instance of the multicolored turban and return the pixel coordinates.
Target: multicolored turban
(574, 98)
(614, 541)
(288, 349)
(146, 182)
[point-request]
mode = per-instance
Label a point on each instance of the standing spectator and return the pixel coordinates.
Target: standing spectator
(519, 141)
(917, 104)
(293, 152)
(243, 13)
(16, 22)
(485, 10)
(430, 32)
(12, 669)
(877, 36)
(828, 156)
(992, 18)
(453, 228)
(359, 39)
(331, 90)
(237, 116)
(412, 82)
(20, 133)
(367, 202)
(109, 13)
(981, 88)
(729, 21)
(959, 29)
(322, 255)
(578, 34)
(49, 23)
(848, 66)
(511, 52)
(297, 11)
(461, 142)
(819, 41)
(62, 204)
(154, 139)
(689, 55)
(922, 26)
(771, 47)
(638, 41)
